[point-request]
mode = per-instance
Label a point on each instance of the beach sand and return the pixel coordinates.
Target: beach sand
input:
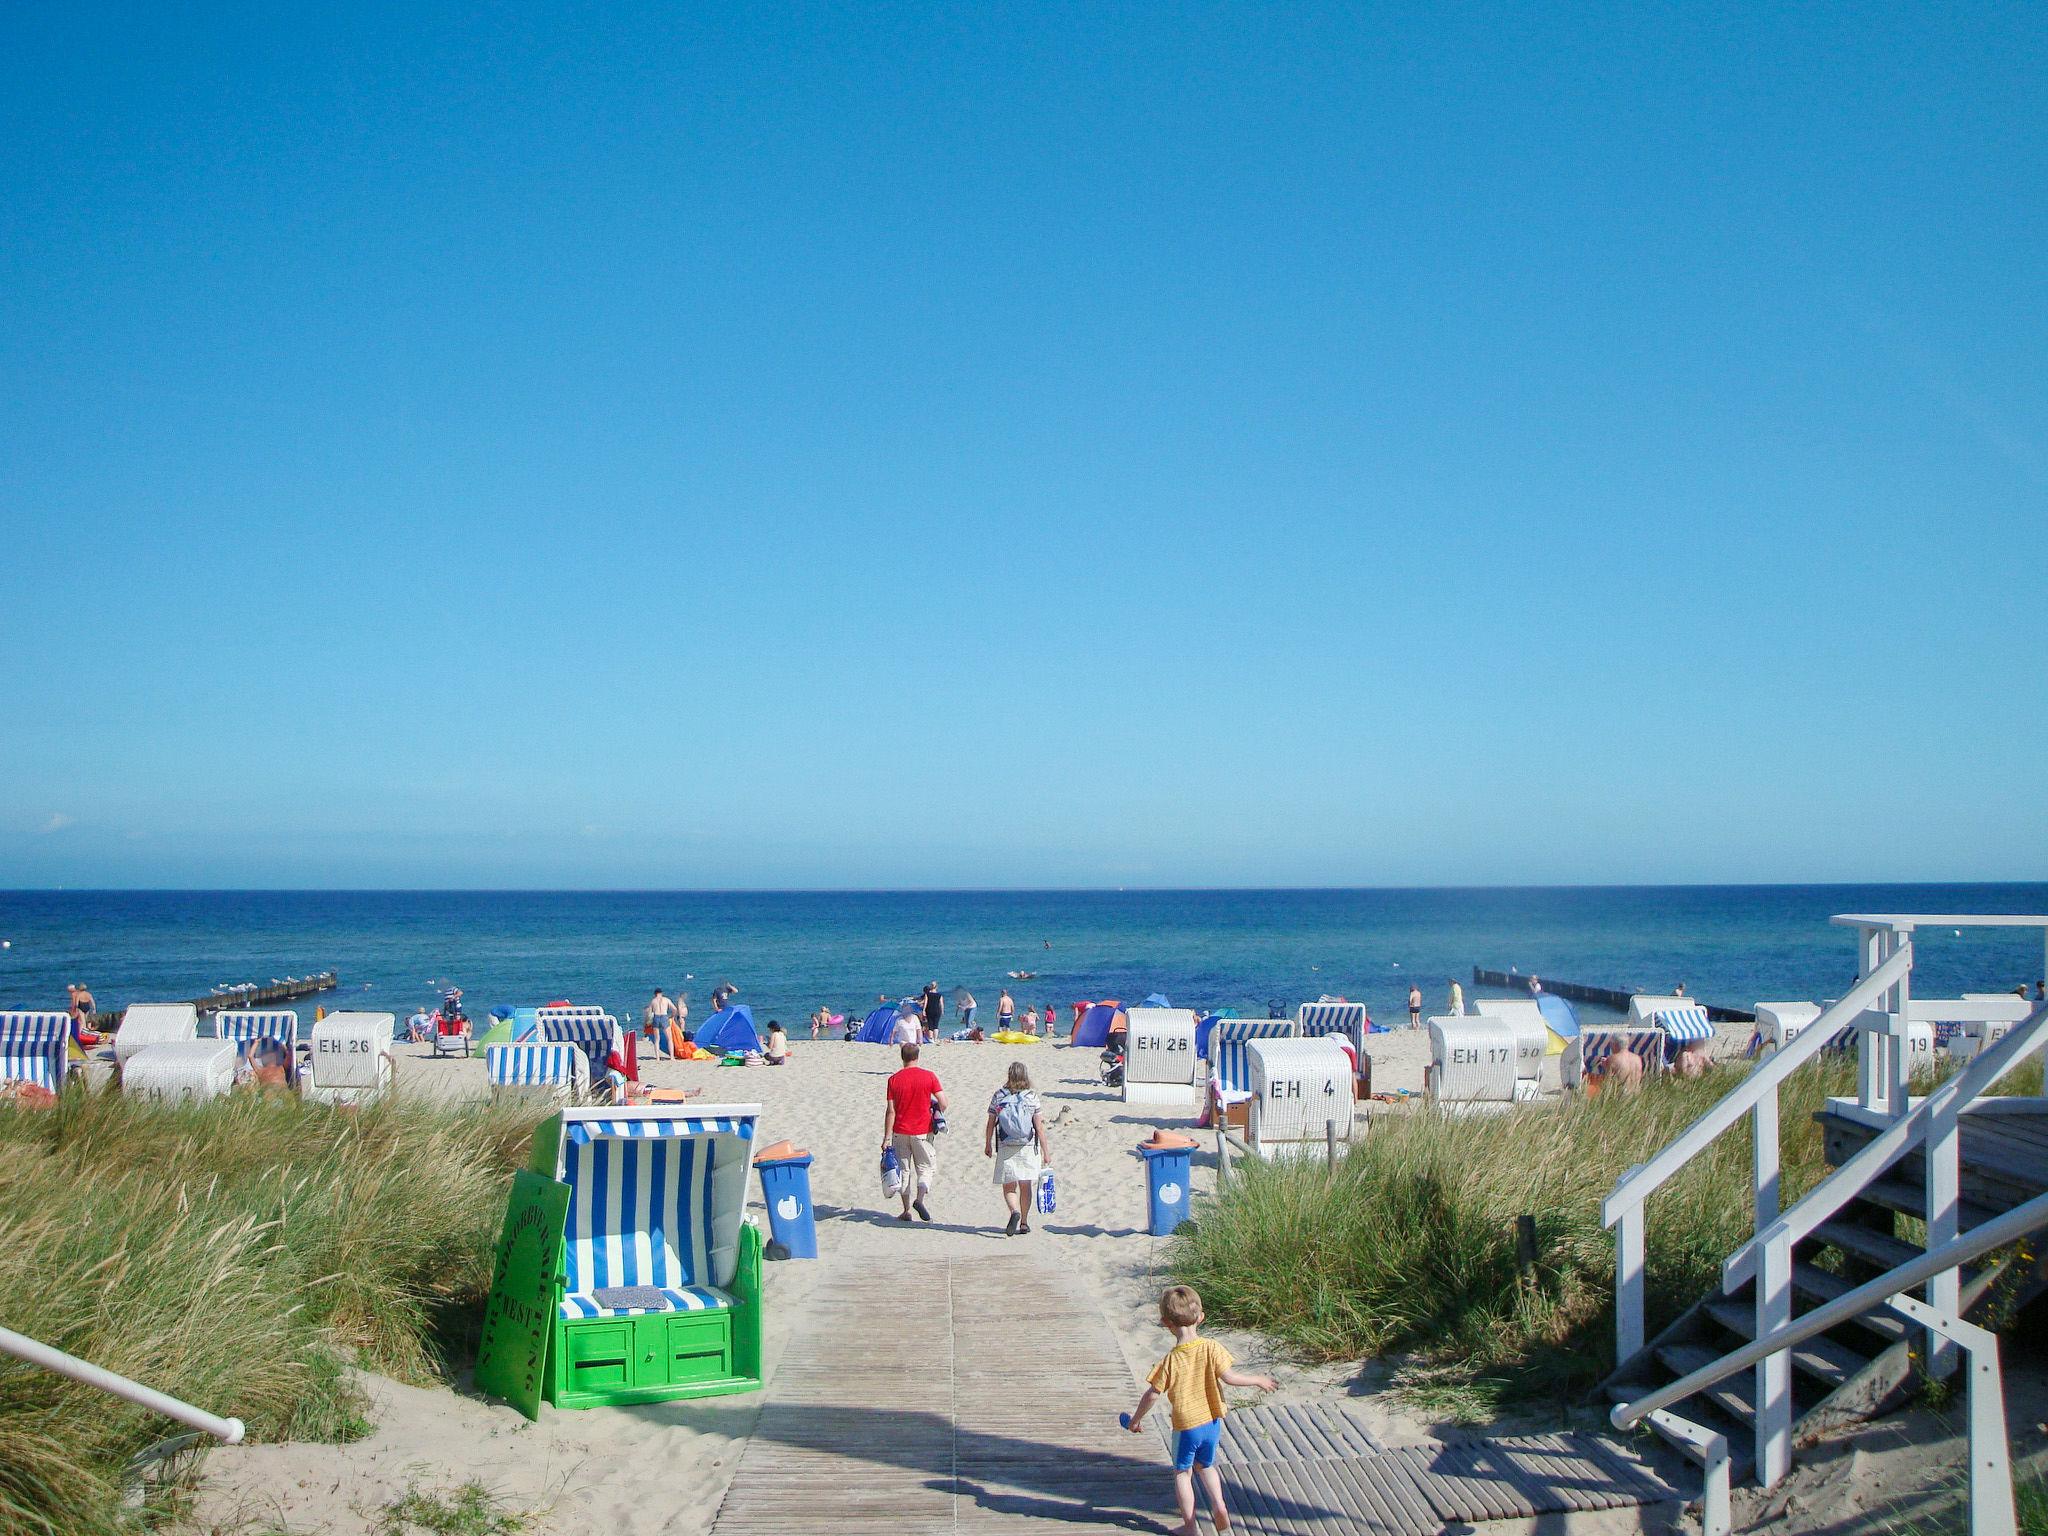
(660, 1470)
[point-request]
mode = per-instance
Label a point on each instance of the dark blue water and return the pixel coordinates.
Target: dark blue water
(791, 951)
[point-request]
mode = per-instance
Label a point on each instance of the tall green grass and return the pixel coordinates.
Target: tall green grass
(234, 1255)
(1409, 1247)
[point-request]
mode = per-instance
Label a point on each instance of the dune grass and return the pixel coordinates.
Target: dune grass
(235, 1255)
(1409, 1249)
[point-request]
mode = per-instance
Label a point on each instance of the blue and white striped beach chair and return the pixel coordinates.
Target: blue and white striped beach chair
(249, 1027)
(659, 1295)
(34, 1049)
(1230, 1079)
(643, 1195)
(1327, 1018)
(596, 1035)
(1586, 1057)
(532, 1068)
(1681, 1027)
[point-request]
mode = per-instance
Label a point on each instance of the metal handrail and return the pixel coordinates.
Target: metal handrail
(23, 1347)
(1995, 1233)
(1644, 1180)
(1847, 1180)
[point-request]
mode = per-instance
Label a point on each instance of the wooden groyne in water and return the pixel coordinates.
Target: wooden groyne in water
(248, 995)
(1600, 997)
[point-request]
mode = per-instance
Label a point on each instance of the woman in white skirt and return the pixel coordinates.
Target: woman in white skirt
(1015, 1138)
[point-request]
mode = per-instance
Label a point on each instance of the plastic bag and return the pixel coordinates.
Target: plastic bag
(892, 1172)
(1047, 1200)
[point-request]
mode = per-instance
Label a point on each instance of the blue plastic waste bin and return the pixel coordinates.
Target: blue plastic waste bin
(1166, 1187)
(786, 1186)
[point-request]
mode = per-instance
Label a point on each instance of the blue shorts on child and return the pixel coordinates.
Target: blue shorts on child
(1196, 1447)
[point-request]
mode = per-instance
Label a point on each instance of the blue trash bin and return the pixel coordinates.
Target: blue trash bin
(1166, 1187)
(786, 1187)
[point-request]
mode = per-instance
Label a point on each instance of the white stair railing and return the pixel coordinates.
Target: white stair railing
(1991, 1507)
(22, 1347)
(1879, 1006)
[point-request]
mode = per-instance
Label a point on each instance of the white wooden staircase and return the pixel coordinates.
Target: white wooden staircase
(1821, 1311)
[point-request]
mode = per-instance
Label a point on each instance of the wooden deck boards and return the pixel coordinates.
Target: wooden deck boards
(974, 1397)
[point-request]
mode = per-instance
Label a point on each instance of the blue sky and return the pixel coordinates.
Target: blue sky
(995, 445)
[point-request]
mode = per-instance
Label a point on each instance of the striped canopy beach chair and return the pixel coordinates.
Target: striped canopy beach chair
(533, 1068)
(597, 1035)
(249, 1027)
(1586, 1057)
(1333, 1018)
(1682, 1026)
(658, 1281)
(34, 1049)
(1230, 1065)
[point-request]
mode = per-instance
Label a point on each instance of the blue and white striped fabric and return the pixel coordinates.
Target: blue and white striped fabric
(245, 1026)
(570, 1011)
(640, 1209)
(1229, 1064)
(1685, 1024)
(688, 1298)
(580, 1132)
(1346, 1019)
(594, 1032)
(531, 1065)
(1597, 1042)
(33, 1048)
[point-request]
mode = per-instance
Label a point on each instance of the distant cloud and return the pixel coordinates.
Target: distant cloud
(57, 822)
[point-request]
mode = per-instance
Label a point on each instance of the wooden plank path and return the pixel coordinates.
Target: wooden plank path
(979, 1396)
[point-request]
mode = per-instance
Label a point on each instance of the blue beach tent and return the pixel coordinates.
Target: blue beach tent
(875, 1028)
(1094, 1026)
(730, 1030)
(1560, 1015)
(1156, 1000)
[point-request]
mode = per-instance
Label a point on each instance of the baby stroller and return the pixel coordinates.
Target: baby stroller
(1112, 1062)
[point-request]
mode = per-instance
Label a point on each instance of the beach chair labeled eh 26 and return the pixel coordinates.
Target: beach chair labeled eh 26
(625, 1273)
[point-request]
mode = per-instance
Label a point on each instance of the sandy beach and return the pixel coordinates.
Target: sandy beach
(661, 1470)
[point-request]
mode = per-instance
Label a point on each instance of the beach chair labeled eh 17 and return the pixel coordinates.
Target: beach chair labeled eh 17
(626, 1273)
(34, 1049)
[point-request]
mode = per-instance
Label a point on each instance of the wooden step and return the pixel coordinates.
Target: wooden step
(1823, 1285)
(1731, 1395)
(1702, 1410)
(1868, 1244)
(1909, 1199)
(1820, 1357)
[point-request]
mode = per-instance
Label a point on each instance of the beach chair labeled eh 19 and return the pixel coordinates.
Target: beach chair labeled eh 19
(34, 1049)
(625, 1273)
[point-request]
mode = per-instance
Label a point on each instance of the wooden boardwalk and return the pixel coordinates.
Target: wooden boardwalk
(977, 1396)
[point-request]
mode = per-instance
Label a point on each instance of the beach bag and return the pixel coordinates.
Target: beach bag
(892, 1172)
(938, 1119)
(1047, 1202)
(1015, 1120)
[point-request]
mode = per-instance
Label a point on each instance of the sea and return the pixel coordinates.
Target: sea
(790, 951)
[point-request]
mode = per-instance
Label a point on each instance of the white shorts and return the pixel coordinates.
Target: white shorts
(1017, 1162)
(918, 1160)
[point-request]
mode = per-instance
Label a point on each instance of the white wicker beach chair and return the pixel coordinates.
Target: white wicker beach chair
(180, 1071)
(353, 1062)
(1300, 1088)
(147, 1024)
(1472, 1065)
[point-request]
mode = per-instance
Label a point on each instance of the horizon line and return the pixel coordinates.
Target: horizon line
(980, 890)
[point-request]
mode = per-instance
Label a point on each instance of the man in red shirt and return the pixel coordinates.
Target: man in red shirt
(907, 1126)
